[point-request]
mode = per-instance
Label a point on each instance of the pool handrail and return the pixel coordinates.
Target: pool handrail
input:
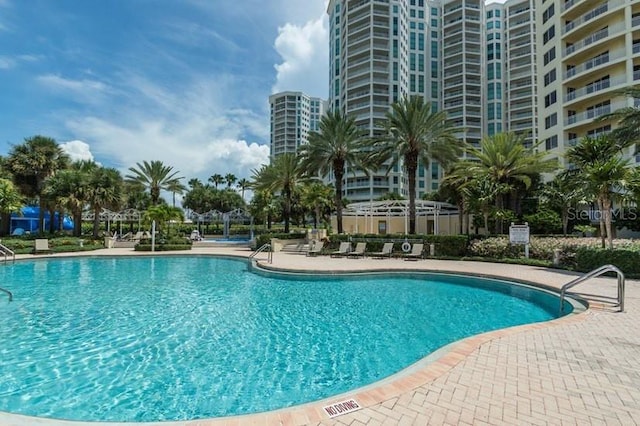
(4, 290)
(262, 248)
(7, 251)
(594, 274)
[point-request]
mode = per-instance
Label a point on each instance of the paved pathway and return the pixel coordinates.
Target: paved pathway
(581, 369)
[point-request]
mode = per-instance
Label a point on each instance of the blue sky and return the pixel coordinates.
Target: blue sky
(181, 81)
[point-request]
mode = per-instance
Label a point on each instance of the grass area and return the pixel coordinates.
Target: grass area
(56, 244)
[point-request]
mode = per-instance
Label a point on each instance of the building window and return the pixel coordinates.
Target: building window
(550, 55)
(550, 99)
(547, 14)
(549, 34)
(551, 121)
(550, 77)
(551, 143)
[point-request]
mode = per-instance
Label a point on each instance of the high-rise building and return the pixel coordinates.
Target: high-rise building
(293, 116)
(587, 52)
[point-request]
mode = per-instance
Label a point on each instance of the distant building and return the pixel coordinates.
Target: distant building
(293, 116)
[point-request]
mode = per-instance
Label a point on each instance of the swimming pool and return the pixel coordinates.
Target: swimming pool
(174, 338)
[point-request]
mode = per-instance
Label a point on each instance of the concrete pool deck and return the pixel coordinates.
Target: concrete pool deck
(579, 369)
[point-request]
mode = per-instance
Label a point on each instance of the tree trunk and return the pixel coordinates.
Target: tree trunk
(338, 174)
(5, 224)
(411, 165)
(606, 204)
(603, 230)
(565, 220)
(41, 216)
(96, 223)
(77, 223)
(287, 210)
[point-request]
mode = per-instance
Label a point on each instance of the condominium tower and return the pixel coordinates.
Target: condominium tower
(587, 52)
(293, 116)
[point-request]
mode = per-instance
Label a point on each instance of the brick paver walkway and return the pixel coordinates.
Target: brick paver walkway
(580, 370)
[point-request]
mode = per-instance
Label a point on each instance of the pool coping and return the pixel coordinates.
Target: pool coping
(424, 371)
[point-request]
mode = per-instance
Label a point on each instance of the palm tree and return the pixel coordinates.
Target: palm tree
(71, 188)
(230, 178)
(317, 198)
(154, 176)
(604, 174)
(338, 145)
(175, 187)
(31, 163)
(105, 191)
(503, 160)
(194, 182)
(628, 118)
(283, 176)
(163, 214)
(10, 199)
(412, 133)
(243, 184)
(563, 193)
(216, 179)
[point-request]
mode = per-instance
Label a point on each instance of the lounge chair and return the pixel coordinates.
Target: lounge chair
(125, 237)
(415, 253)
(387, 249)
(315, 247)
(41, 246)
(358, 251)
(343, 250)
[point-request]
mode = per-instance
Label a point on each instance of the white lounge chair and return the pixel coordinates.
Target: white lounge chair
(415, 253)
(386, 251)
(358, 251)
(343, 250)
(41, 245)
(315, 247)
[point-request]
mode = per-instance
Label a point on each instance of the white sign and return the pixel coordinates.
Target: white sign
(342, 407)
(519, 234)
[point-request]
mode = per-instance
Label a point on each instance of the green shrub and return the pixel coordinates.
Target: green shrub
(627, 260)
(162, 247)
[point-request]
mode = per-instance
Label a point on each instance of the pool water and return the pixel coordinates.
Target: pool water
(175, 338)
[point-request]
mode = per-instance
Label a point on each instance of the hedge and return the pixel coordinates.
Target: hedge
(162, 247)
(628, 261)
(266, 238)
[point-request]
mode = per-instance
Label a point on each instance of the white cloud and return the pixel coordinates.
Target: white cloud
(6, 63)
(305, 54)
(77, 150)
(196, 130)
(90, 91)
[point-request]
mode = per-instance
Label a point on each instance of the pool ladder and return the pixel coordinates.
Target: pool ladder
(6, 251)
(265, 246)
(617, 301)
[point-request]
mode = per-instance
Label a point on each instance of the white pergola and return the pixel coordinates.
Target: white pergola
(398, 208)
(129, 215)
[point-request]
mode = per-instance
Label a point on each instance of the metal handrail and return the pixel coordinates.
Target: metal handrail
(8, 292)
(593, 274)
(7, 251)
(262, 248)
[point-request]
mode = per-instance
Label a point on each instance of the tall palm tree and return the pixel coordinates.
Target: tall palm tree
(243, 184)
(604, 173)
(338, 145)
(503, 160)
(71, 188)
(282, 176)
(10, 199)
(317, 198)
(216, 179)
(194, 182)
(563, 193)
(175, 187)
(106, 191)
(230, 178)
(154, 176)
(31, 163)
(412, 133)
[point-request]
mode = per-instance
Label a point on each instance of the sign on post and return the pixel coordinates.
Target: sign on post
(519, 234)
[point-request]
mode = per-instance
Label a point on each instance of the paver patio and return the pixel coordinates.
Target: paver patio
(580, 369)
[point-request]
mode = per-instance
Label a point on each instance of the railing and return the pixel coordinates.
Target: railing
(6, 251)
(8, 293)
(617, 301)
(265, 246)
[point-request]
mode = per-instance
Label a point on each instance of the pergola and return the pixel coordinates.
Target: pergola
(425, 209)
(105, 215)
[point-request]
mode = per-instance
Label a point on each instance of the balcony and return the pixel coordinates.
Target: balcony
(596, 36)
(594, 62)
(603, 8)
(592, 113)
(595, 87)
